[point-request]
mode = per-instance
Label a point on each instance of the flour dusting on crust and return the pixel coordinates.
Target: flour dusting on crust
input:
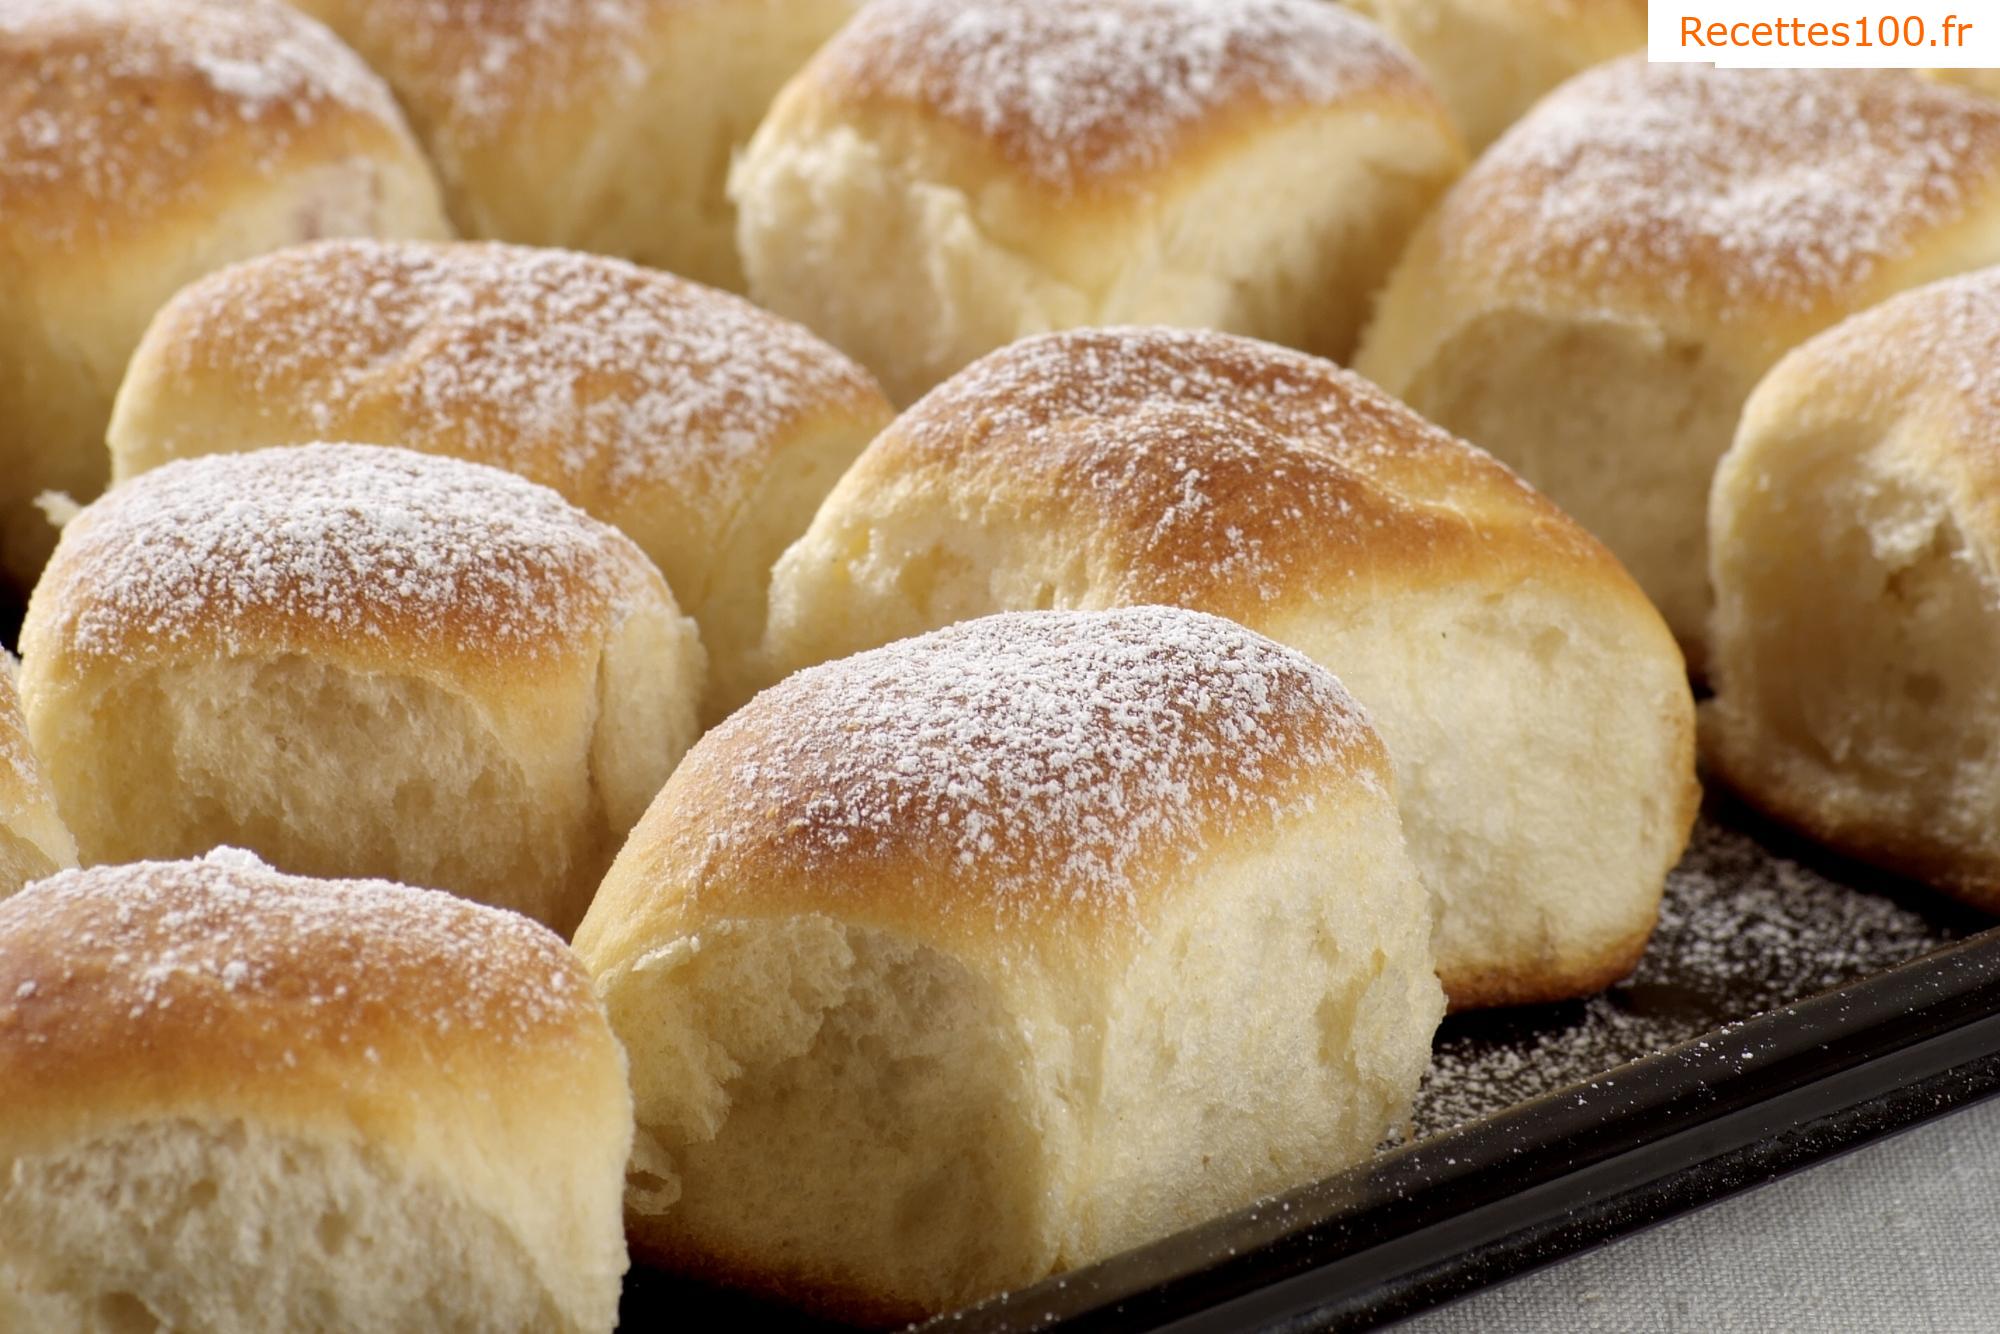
(119, 104)
(1741, 189)
(329, 542)
(1042, 758)
(1074, 93)
(588, 374)
(314, 960)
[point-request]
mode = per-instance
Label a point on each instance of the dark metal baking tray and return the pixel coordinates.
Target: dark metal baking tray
(1791, 1007)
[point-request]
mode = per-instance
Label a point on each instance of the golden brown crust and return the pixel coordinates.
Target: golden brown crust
(220, 986)
(615, 385)
(474, 73)
(114, 116)
(353, 553)
(1004, 773)
(1105, 98)
(1715, 197)
(1320, 480)
(1555, 979)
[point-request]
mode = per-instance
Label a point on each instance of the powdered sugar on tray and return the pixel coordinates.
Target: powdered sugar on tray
(123, 102)
(227, 941)
(1080, 92)
(1041, 757)
(589, 374)
(335, 541)
(1742, 931)
(1736, 188)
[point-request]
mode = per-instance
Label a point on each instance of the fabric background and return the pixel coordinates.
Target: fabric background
(1899, 1236)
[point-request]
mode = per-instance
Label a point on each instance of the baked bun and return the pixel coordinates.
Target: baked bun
(706, 429)
(604, 126)
(999, 950)
(358, 661)
(1856, 559)
(948, 175)
(142, 144)
(33, 839)
(1536, 708)
(1596, 299)
(245, 1101)
(1493, 59)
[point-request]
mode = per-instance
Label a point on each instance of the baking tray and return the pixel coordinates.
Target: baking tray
(1791, 1007)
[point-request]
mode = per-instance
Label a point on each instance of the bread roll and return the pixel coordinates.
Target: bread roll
(948, 175)
(143, 143)
(1538, 714)
(244, 1101)
(33, 840)
(603, 126)
(704, 428)
(1596, 299)
(1856, 560)
(358, 661)
(999, 950)
(1493, 59)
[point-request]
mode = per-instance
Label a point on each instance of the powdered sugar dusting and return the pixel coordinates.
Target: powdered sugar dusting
(320, 961)
(1739, 189)
(337, 542)
(1944, 337)
(1087, 92)
(588, 374)
(1743, 930)
(1215, 462)
(1044, 757)
(481, 63)
(110, 103)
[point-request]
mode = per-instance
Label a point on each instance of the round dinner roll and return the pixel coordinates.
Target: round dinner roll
(1856, 559)
(999, 950)
(142, 144)
(604, 126)
(357, 660)
(1596, 299)
(1493, 59)
(245, 1101)
(703, 427)
(949, 175)
(33, 839)
(1536, 708)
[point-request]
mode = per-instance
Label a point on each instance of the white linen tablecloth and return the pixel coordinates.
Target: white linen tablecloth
(1903, 1235)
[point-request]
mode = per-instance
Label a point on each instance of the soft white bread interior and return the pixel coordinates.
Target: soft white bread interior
(1493, 59)
(1856, 559)
(1535, 706)
(358, 660)
(144, 143)
(704, 428)
(945, 177)
(34, 842)
(239, 1101)
(1595, 300)
(605, 126)
(998, 950)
